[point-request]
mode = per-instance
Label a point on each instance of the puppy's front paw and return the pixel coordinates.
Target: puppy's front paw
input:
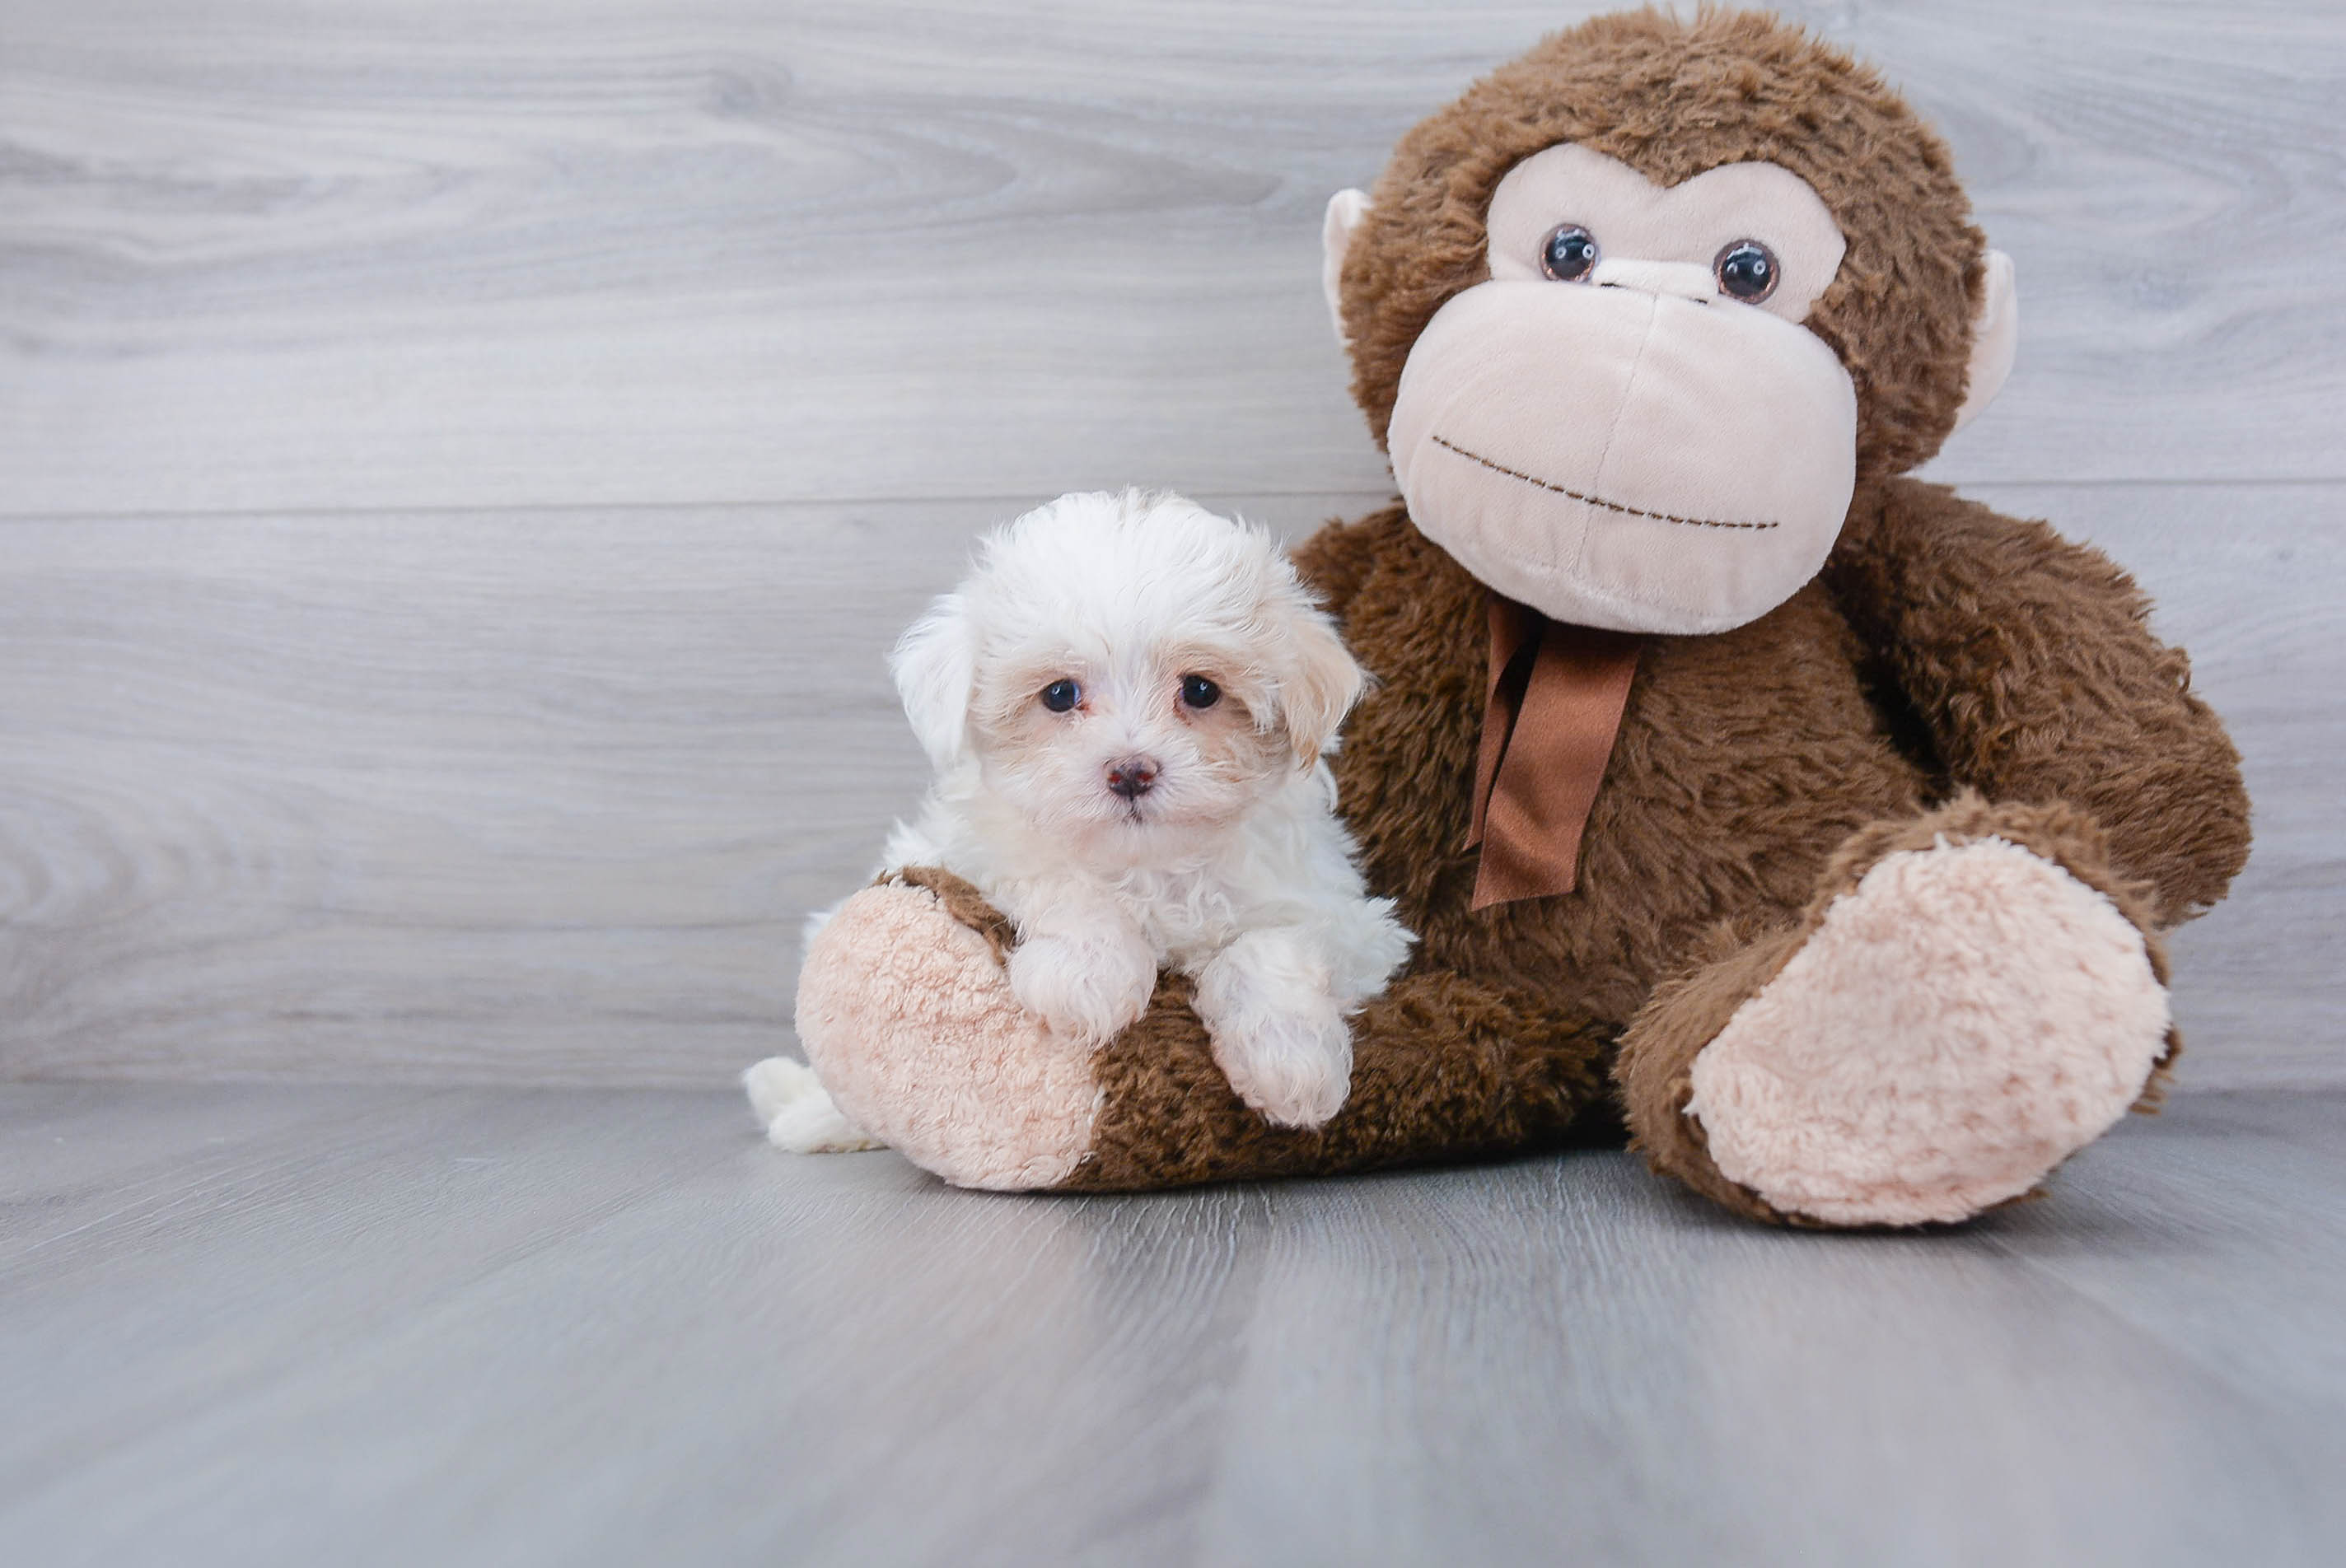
(1086, 988)
(1296, 1068)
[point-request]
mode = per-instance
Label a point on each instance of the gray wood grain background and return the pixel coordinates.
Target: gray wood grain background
(461, 462)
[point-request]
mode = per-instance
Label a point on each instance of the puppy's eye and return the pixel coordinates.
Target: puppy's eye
(1199, 692)
(1568, 254)
(1061, 695)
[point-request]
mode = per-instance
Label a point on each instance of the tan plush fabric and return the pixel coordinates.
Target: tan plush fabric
(1849, 1165)
(1633, 450)
(1685, 223)
(1623, 459)
(1996, 342)
(1962, 1021)
(905, 1014)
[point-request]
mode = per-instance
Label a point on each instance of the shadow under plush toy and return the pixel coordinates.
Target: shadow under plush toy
(1818, 822)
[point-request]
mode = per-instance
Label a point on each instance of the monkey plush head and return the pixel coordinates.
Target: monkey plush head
(1634, 316)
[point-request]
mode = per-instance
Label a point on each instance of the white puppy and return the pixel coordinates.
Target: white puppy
(1127, 704)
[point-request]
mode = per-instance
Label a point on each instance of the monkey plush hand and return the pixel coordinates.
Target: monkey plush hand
(1817, 823)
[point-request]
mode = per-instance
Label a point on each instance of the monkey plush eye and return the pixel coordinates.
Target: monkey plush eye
(1061, 695)
(1747, 271)
(1569, 254)
(1199, 692)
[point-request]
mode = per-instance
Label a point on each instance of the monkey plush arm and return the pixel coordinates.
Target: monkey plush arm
(2029, 662)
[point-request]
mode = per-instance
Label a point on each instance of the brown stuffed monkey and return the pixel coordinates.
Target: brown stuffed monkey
(1816, 823)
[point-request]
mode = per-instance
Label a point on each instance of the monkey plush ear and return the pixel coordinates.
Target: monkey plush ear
(1995, 338)
(1344, 212)
(935, 666)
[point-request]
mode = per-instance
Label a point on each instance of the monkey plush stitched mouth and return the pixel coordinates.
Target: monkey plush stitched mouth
(1626, 424)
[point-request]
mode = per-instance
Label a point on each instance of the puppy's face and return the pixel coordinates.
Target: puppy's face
(1105, 737)
(1127, 672)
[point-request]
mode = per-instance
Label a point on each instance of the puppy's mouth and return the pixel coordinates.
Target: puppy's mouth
(1149, 811)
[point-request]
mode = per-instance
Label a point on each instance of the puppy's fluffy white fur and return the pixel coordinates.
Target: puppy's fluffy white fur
(1129, 705)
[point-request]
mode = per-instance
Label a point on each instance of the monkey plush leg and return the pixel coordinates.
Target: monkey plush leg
(1971, 997)
(905, 1011)
(1444, 1068)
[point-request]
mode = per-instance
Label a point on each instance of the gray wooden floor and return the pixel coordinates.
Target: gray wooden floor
(286, 1325)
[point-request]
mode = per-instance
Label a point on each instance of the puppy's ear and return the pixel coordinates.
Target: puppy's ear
(1319, 680)
(935, 666)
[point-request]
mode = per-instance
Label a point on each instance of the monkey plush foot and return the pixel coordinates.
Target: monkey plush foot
(1978, 1000)
(907, 1015)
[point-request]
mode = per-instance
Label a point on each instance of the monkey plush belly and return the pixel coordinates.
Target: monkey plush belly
(1743, 759)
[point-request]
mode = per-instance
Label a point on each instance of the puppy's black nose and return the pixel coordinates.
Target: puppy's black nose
(1132, 777)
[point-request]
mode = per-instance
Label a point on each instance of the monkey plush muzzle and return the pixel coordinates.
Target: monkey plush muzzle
(1639, 458)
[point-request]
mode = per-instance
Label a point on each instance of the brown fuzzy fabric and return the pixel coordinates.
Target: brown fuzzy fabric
(1671, 100)
(1743, 759)
(1758, 772)
(2029, 661)
(1687, 1013)
(1445, 1068)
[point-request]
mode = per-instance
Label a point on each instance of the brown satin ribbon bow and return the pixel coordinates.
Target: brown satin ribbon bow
(1549, 720)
